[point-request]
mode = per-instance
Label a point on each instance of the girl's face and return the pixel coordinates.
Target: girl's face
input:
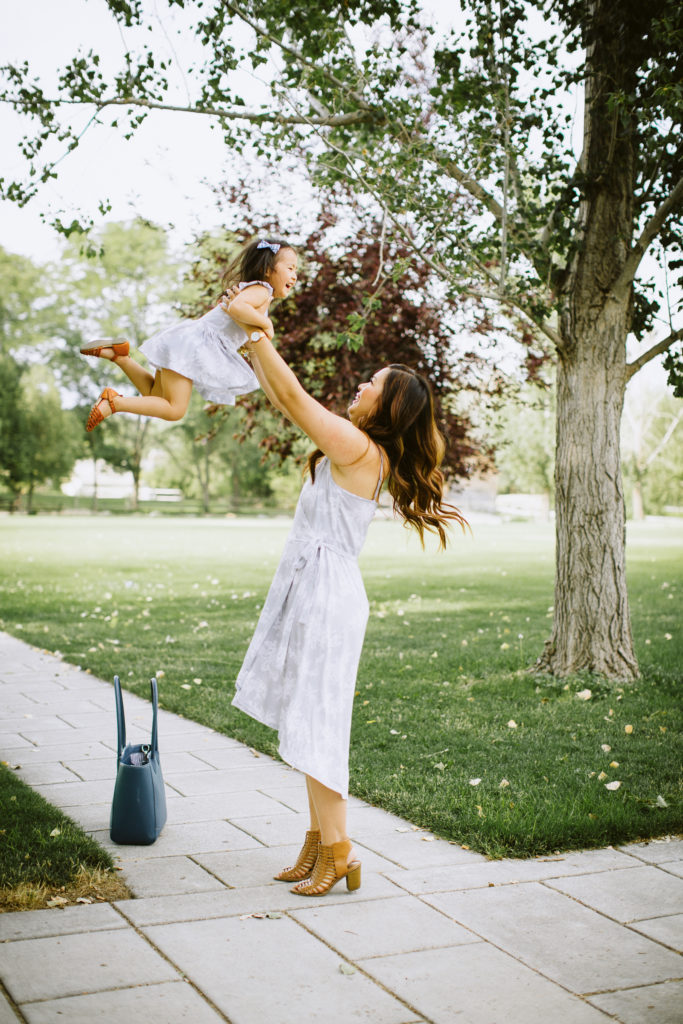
(368, 395)
(282, 277)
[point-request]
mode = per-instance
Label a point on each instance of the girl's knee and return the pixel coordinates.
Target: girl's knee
(175, 413)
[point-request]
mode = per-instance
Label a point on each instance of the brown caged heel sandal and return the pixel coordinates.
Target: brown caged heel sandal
(304, 862)
(330, 867)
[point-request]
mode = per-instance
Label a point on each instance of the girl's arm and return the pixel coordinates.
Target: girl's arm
(335, 436)
(249, 308)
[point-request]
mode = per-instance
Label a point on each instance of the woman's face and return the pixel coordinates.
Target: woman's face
(368, 395)
(282, 277)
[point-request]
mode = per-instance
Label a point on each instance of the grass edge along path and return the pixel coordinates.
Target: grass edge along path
(46, 859)
(450, 731)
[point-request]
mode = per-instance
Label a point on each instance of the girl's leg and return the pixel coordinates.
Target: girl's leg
(330, 810)
(142, 379)
(169, 398)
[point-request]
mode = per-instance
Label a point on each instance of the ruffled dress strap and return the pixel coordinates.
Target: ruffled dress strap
(245, 284)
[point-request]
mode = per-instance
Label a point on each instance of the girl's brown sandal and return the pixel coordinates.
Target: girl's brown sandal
(96, 416)
(120, 348)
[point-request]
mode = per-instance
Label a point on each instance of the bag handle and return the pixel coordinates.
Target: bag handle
(120, 717)
(155, 701)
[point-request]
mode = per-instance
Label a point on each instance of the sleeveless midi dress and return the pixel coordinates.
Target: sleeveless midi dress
(206, 351)
(299, 673)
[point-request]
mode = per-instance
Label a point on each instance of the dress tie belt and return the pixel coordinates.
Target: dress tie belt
(311, 548)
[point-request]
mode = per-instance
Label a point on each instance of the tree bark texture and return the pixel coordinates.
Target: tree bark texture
(591, 629)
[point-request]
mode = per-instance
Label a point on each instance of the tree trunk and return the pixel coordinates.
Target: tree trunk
(592, 629)
(637, 499)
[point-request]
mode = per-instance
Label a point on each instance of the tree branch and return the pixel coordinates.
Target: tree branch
(665, 439)
(236, 114)
(656, 350)
(647, 235)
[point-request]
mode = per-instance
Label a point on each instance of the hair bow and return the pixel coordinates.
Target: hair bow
(273, 246)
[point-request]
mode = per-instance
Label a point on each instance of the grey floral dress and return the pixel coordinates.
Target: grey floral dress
(299, 673)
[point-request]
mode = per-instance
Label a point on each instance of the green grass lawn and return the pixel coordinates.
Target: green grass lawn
(45, 856)
(443, 673)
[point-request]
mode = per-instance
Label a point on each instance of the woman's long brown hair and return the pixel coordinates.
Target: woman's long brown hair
(403, 424)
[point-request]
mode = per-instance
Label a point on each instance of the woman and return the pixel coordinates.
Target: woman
(299, 674)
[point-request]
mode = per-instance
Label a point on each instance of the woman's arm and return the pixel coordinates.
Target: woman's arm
(334, 435)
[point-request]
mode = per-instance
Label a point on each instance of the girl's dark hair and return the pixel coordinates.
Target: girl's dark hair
(254, 263)
(403, 424)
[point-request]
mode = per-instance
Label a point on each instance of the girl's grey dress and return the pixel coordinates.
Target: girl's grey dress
(206, 351)
(299, 674)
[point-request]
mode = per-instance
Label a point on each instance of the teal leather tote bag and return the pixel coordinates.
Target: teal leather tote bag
(138, 809)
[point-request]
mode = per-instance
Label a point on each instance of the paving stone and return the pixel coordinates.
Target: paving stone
(236, 757)
(170, 1003)
(166, 875)
(228, 781)
(654, 1004)
(65, 742)
(673, 867)
(273, 896)
(282, 828)
(568, 943)
(40, 923)
(95, 751)
(73, 964)
(414, 850)
(243, 804)
(294, 797)
(477, 984)
(95, 769)
(253, 867)
(382, 927)
(7, 1014)
(195, 743)
(72, 794)
(648, 892)
(92, 817)
(483, 873)
(667, 930)
(373, 821)
(47, 722)
(657, 850)
(184, 840)
(180, 761)
(272, 970)
(11, 742)
(97, 721)
(45, 774)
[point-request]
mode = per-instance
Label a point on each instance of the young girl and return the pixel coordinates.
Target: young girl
(204, 352)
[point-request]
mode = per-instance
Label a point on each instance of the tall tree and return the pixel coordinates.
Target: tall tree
(464, 145)
(39, 440)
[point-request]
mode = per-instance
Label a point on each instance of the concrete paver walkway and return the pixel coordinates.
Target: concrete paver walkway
(436, 933)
